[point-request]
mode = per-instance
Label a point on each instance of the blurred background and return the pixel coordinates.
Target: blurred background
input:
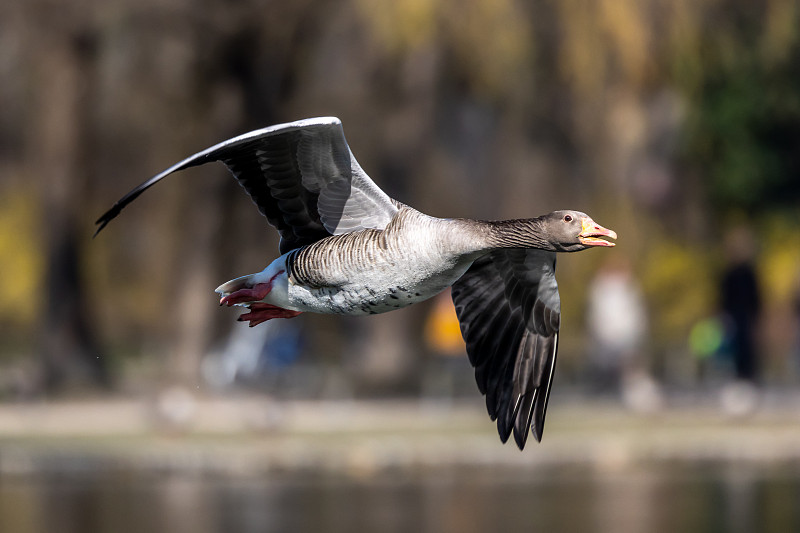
(130, 401)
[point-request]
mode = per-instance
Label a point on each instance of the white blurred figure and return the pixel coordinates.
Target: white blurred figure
(617, 322)
(238, 358)
(256, 357)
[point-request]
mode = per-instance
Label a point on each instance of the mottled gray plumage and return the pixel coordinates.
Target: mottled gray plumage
(347, 248)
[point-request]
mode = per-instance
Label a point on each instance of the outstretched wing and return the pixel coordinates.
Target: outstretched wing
(301, 175)
(510, 312)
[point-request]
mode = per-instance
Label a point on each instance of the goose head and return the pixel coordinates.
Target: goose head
(572, 231)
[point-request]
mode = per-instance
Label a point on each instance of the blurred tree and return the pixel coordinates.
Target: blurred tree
(743, 128)
(65, 73)
(643, 113)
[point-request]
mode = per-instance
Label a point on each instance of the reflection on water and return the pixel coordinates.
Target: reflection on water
(698, 498)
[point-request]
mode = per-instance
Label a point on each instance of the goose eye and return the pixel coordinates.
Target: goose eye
(567, 218)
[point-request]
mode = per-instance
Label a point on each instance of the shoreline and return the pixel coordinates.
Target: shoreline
(361, 438)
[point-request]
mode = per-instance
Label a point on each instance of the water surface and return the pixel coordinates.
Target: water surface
(656, 498)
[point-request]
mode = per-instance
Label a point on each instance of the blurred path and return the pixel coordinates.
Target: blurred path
(256, 435)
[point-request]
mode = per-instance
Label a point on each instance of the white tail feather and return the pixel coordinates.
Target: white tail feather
(242, 282)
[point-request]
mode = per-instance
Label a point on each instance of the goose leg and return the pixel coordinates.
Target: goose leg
(261, 312)
(254, 294)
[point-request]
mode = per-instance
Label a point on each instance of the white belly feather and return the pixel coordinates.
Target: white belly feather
(380, 293)
(361, 280)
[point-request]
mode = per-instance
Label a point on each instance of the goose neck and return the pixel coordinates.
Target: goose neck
(518, 233)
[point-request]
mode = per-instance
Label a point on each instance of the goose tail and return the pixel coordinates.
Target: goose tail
(235, 284)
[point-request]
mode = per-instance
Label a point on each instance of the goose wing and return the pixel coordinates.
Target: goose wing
(301, 175)
(510, 312)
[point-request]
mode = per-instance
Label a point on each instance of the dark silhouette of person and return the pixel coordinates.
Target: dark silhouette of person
(741, 302)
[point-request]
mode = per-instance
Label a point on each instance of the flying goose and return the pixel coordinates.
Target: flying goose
(348, 248)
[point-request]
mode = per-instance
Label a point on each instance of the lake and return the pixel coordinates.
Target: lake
(659, 497)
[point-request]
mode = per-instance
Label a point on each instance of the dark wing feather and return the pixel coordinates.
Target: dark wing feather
(510, 312)
(301, 175)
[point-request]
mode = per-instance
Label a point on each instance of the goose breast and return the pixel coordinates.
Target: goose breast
(375, 271)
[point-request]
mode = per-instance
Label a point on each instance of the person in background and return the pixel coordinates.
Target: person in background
(740, 305)
(617, 321)
(740, 302)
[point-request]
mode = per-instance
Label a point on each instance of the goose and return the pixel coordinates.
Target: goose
(347, 248)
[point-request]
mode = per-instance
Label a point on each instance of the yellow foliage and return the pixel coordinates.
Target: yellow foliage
(779, 262)
(780, 31)
(678, 283)
(401, 25)
(582, 57)
(626, 26)
(493, 40)
(490, 38)
(599, 34)
(21, 260)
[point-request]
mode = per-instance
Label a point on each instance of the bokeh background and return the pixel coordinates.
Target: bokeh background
(129, 400)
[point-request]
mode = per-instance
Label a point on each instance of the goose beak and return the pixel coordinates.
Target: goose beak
(592, 233)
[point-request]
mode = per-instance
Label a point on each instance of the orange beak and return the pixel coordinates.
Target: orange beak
(592, 233)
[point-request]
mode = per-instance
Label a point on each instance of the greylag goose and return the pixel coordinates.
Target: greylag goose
(348, 248)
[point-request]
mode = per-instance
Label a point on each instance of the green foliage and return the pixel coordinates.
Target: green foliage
(678, 283)
(743, 127)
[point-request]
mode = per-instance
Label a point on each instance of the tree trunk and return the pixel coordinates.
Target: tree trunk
(67, 345)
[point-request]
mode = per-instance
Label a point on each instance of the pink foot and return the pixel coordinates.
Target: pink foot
(261, 312)
(255, 294)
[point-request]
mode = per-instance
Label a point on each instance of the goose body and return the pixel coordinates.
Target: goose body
(347, 248)
(414, 258)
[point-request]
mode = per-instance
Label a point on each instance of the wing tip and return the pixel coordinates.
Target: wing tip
(537, 429)
(105, 218)
(98, 230)
(534, 426)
